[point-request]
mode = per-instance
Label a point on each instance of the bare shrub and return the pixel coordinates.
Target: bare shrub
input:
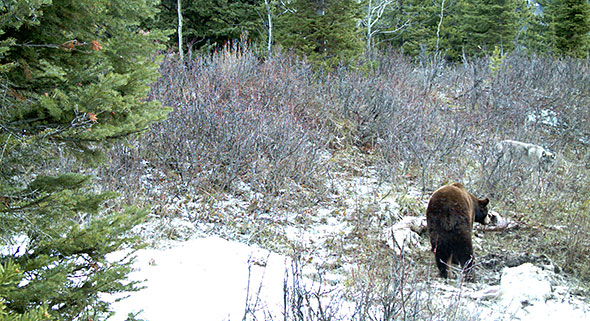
(564, 216)
(388, 111)
(235, 120)
(271, 126)
(543, 101)
(361, 105)
(388, 287)
(311, 298)
(529, 99)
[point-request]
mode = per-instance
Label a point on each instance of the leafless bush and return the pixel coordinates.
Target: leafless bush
(238, 120)
(390, 289)
(564, 215)
(388, 111)
(530, 99)
(235, 120)
(385, 287)
(311, 298)
(538, 100)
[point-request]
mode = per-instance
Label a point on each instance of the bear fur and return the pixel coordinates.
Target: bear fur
(450, 215)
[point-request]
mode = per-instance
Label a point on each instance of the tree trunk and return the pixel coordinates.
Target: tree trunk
(269, 17)
(179, 10)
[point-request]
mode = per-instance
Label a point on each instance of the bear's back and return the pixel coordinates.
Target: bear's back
(450, 208)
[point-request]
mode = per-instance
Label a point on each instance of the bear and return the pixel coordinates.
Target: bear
(449, 220)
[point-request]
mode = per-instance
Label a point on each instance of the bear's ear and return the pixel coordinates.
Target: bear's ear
(484, 202)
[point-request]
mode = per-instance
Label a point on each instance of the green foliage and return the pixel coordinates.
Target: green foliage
(427, 32)
(73, 79)
(328, 31)
(488, 23)
(80, 74)
(569, 21)
(533, 31)
(10, 276)
(210, 24)
(459, 27)
(496, 61)
(324, 32)
(555, 27)
(421, 17)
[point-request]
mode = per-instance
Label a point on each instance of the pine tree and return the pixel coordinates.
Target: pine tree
(569, 22)
(486, 24)
(208, 24)
(10, 276)
(533, 34)
(433, 25)
(73, 78)
(455, 27)
(324, 31)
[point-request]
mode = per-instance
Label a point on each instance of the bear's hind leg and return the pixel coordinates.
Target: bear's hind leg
(443, 260)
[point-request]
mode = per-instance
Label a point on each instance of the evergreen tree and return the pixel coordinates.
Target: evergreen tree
(325, 31)
(73, 77)
(432, 26)
(569, 22)
(533, 34)
(486, 24)
(210, 24)
(454, 27)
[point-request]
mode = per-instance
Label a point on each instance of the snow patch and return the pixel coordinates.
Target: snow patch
(544, 116)
(526, 292)
(523, 285)
(205, 279)
(16, 246)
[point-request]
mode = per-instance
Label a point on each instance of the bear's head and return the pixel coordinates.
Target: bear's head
(481, 212)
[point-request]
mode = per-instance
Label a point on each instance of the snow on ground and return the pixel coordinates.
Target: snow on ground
(214, 279)
(210, 278)
(528, 292)
(205, 279)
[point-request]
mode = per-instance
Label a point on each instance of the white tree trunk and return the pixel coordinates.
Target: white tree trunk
(179, 10)
(269, 21)
(369, 28)
(442, 11)
(375, 10)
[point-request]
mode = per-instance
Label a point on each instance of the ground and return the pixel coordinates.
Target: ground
(234, 258)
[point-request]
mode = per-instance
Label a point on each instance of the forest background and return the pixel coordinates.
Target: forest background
(78, 78)
(334, 31)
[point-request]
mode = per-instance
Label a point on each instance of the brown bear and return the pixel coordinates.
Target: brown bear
(449, 218)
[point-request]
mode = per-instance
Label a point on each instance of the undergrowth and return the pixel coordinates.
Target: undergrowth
(270, 129)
